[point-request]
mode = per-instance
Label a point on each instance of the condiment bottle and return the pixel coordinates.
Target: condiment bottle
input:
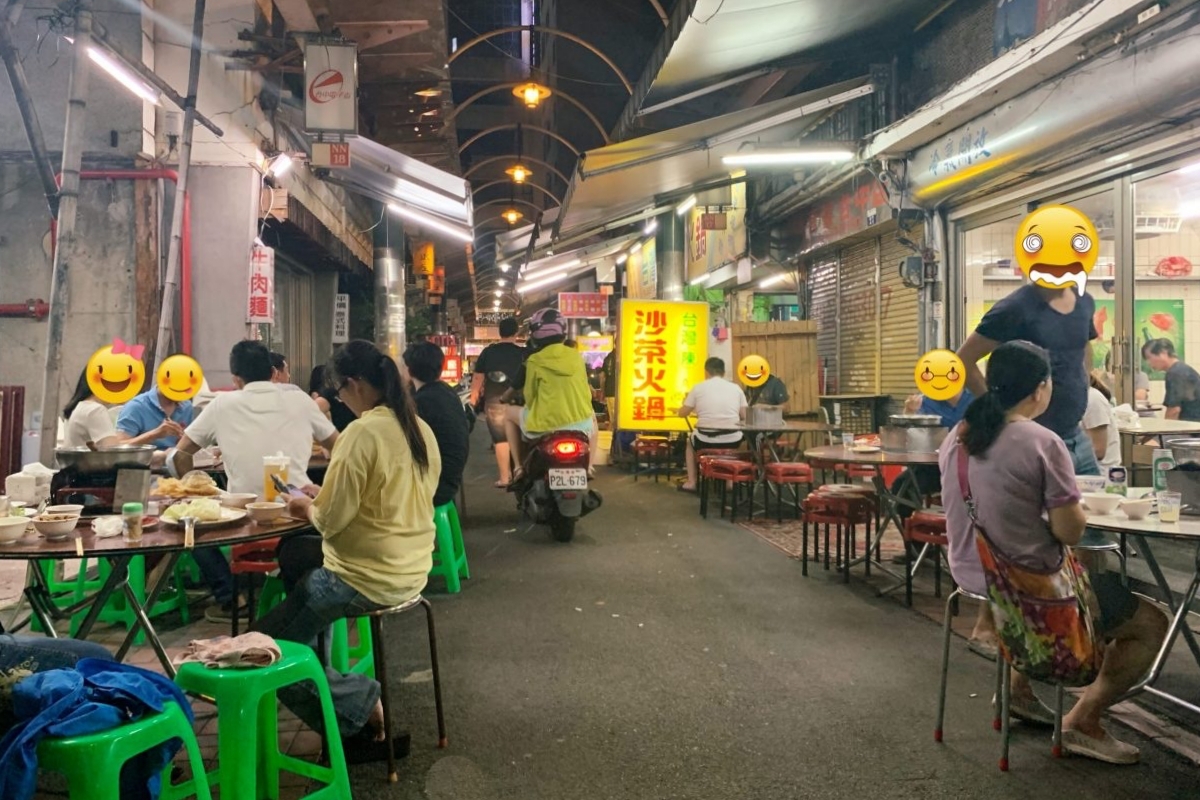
(132, 512)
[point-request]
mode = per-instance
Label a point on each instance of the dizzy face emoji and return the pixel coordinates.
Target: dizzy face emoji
(115, 373)
(1057, 246)
(754, 371)
(179, 378)
(940, 375)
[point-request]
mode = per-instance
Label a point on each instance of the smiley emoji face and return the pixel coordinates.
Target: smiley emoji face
(754, 371)
(940, 375)
(179, 378)
(1057, 246)
(115, 373)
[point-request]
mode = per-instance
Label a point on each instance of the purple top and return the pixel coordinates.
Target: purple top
(1026, 472)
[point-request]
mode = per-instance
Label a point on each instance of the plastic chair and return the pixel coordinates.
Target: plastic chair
(349, 658)
(249, 758)
(92, 763)
(449, 555)
(253, 558)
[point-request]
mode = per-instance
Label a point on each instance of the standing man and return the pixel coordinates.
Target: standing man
(503, 357)
(1183, 383)
(720, 407)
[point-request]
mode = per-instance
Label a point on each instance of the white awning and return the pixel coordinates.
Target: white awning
(625, 178)
(393, 178)
(546, 276)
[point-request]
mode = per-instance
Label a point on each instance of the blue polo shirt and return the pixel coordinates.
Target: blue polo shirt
(144, 413)
(951, 415)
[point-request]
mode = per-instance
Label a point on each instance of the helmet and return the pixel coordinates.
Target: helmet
(546, 323)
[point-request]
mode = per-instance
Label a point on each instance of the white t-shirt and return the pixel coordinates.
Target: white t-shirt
(718, 404)
(261, 420)
(89, 422)
(1100, 412)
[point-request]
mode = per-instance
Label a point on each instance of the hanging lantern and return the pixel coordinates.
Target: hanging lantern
(531, 94)
(519, 172)
(511, 215)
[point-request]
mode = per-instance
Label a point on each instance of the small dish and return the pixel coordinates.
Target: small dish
(1101, 502)
(12, 529)
(1137, 509)
(265, 513)
(65, 509)
(238, 500)
(56, 525)
(865, 448)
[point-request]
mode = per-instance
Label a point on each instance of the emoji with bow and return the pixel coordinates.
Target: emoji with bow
(179, 378)
(1057, 246)
(115, 373)
(940, 375)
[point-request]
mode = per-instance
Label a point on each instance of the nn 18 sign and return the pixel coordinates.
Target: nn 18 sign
(331, 87)
(582, 305)
(261, 308)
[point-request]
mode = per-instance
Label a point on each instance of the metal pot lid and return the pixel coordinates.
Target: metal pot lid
(1184, 444)
(916, 420)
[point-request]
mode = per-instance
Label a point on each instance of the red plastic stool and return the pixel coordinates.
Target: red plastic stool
(786, 473)
(727, 471)
(928, 529)
(254, 558)
(844, 510)
(654, 452)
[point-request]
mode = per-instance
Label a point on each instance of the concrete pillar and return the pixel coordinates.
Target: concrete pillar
(389, 287)
(670, 245)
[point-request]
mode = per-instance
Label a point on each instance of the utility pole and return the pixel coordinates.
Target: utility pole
(171, 285)
(68, 204)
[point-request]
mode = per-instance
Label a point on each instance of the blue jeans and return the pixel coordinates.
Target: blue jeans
(41, 653)
(1083, 457)
(322, 598)
(217, 575)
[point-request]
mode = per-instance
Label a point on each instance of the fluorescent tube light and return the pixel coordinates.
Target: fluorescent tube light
(621, 259)
(686, 206)
(787, 157)
(651, 227)
(122, 74)
(702, 280)
(429, 222)
(543, 281)
(774, 280)
(280, 164)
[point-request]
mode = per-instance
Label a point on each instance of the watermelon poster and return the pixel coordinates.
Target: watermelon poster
(1159, 319)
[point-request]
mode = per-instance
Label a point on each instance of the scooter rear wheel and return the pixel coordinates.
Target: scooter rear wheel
(562, 528)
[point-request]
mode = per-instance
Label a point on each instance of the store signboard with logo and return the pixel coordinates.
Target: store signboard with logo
(261, 307)
(715, 239)
(341, 318)
(663, 347)
(424, 258)
(331, 87)
(332, 155)
(582, 305)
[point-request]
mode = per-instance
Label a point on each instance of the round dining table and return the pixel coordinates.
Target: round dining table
(163, 539)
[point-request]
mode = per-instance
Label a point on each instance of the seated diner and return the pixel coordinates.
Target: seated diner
(720, 408)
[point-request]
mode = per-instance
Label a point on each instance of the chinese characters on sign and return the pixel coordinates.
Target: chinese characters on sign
(341, 318)
(582, 305)
(424, 258)
(959, 151)
(662, 352)
(261, 307)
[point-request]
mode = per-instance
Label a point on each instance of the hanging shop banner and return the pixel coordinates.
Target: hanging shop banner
(710, 245)
(261, 307)
(437, 281)
(842, 214)
(582, 305)
(663, 346)
(331, 87)
(341, 318)
(424, 258)
(333, 155)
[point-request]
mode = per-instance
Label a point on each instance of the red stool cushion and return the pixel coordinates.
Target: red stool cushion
(925, 527)
(789, 472)
(254, 557)
(736, 471)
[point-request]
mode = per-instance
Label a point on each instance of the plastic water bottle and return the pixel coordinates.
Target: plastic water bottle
(31, 442)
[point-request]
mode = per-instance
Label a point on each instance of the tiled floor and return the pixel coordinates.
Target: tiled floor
(295, 738)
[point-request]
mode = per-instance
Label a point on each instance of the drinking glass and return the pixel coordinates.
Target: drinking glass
(273, 465)
(1168, 506)
(847, 440)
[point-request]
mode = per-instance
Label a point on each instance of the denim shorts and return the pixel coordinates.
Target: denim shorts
(583, 426)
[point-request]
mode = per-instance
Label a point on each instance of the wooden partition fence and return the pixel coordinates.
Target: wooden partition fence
(791, 350)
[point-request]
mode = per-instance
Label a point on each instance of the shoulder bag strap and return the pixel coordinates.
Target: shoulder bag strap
(964, 484)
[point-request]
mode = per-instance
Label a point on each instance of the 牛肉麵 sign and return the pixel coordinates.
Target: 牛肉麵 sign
(663, 347)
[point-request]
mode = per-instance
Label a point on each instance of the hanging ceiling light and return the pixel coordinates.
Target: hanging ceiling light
(500, 282)
(532, 93)
(511, 215)
(519, 172)
(505, 266)
(280, 164)
(431, 92)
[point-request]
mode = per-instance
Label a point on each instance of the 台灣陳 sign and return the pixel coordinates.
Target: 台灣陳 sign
(331, 87)
(663, 347)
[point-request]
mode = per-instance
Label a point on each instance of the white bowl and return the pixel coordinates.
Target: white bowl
(265, 512)
(67, 509)
(1102, 503)
(55, 528)
(12, 528)
(1090, 483)
(238, 500)
(1137, 509)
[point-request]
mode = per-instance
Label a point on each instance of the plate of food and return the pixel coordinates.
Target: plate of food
(865, 448)
(193, 484)
(207, 512)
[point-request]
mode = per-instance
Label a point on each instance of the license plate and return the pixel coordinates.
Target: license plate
(567, 479)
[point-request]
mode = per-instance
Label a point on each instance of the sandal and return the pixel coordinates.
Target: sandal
(364, 748)
(685, 488)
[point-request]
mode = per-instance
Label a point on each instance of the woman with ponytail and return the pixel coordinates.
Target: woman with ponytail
(374, 517)
(1022, 482)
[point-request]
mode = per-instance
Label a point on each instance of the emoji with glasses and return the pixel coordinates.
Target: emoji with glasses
(940, 375)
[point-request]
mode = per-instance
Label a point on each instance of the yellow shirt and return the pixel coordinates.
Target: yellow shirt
(375, 510)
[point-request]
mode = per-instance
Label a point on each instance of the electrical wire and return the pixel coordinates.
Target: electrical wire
(710, 16)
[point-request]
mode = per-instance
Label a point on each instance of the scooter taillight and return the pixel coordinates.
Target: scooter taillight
(566, 449)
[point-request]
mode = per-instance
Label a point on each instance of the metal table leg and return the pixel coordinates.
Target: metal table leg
(142, 619)
(1165, 588)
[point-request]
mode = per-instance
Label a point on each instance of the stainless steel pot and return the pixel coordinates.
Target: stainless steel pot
(106, 459)
(1184, 451)
(915, 420)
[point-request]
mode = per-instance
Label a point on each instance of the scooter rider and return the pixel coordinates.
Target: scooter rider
(554, 381)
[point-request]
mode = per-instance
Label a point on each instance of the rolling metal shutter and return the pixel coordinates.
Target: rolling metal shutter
(823, 290)
(899, 323)
(858, 331)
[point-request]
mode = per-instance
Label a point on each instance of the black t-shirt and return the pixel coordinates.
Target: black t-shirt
(1183, 390)
(503, 357)
(339, 414)
(441, 409)
(1025, 314)
(772, 393)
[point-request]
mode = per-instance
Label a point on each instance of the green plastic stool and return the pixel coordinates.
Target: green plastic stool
(449, 554)
(359, 658)
(248, 756)
(272, 594)
(93, 763)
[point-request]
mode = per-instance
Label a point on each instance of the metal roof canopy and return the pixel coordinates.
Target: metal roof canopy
(725, 37)
(588, 256)
(381, 173)
(621, 179)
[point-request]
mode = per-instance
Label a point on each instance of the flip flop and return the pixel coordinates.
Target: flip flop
(363, 748)
(501, 485)
(686, 490)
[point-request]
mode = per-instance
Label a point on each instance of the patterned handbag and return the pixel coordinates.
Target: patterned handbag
(1043, 617)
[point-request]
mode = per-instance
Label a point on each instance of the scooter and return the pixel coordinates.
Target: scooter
(554, 487)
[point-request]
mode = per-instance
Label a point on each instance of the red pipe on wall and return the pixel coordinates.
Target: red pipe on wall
(34, 309)
(185, 261)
